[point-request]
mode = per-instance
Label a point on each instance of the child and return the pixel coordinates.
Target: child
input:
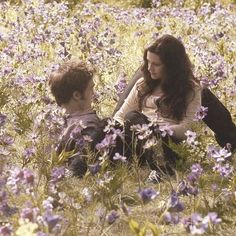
(72, 86)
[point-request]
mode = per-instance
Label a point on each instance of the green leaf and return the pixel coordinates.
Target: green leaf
(142, 231)
(155, 231)
(134, 226)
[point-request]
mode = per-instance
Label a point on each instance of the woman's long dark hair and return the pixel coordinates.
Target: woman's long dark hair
(177, 83)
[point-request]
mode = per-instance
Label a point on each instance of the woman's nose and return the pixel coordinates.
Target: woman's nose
(149, 67)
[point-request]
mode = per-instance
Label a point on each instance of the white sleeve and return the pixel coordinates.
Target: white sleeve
(130, 104)
(193, 106)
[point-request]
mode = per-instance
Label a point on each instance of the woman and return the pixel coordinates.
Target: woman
(168, 93)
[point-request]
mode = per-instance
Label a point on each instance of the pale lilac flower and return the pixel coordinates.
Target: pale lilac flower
(202, 113)
(48, 203)
(156, 3)
(143, 131)
(220, 155)
(166, 130)
(4, 152)
(191, 138)
(150, 143)
(42, 234)
(112, 217)
(119, 157)
(148, 194)
(196, 172)
(87, 194)
(213, 218)
(191, 135)
(100, 213)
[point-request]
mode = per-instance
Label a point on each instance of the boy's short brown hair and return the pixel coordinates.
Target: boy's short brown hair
(70, 77)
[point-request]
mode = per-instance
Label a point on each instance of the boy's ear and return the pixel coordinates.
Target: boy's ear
(76, 95)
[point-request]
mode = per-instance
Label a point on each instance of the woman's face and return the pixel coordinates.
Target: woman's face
(155, 66)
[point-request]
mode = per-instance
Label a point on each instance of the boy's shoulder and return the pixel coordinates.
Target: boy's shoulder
(86, 119)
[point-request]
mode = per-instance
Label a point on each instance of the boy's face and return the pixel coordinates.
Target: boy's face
(88, 93)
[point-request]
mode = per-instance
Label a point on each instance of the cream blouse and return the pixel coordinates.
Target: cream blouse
(150, 110)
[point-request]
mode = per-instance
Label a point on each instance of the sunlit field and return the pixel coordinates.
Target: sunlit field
(36, 196)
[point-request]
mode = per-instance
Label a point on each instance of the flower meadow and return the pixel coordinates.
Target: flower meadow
(37, 197)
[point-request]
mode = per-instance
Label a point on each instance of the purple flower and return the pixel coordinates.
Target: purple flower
(107, 142)
(29, 152)
(174, 203)
(51, 220)
(171, 218)
(185, 189)
(6, 140)
(201, 113)
(6, 230)
(21, 177)
(3, 119)
(6, 210)
(148, 194)
(57, 174)
(196, 169)
(195, 224)
(29, 177)
(196, 172)
(120, 86)
(112, 217)
(29, 213)
(94, 168)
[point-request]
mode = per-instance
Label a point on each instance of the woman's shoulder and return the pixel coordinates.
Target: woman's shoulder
(196, 85)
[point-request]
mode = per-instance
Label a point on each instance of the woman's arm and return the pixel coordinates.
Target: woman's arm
(130, 104)
(193, 106)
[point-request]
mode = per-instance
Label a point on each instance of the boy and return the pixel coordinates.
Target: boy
(72, 86)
